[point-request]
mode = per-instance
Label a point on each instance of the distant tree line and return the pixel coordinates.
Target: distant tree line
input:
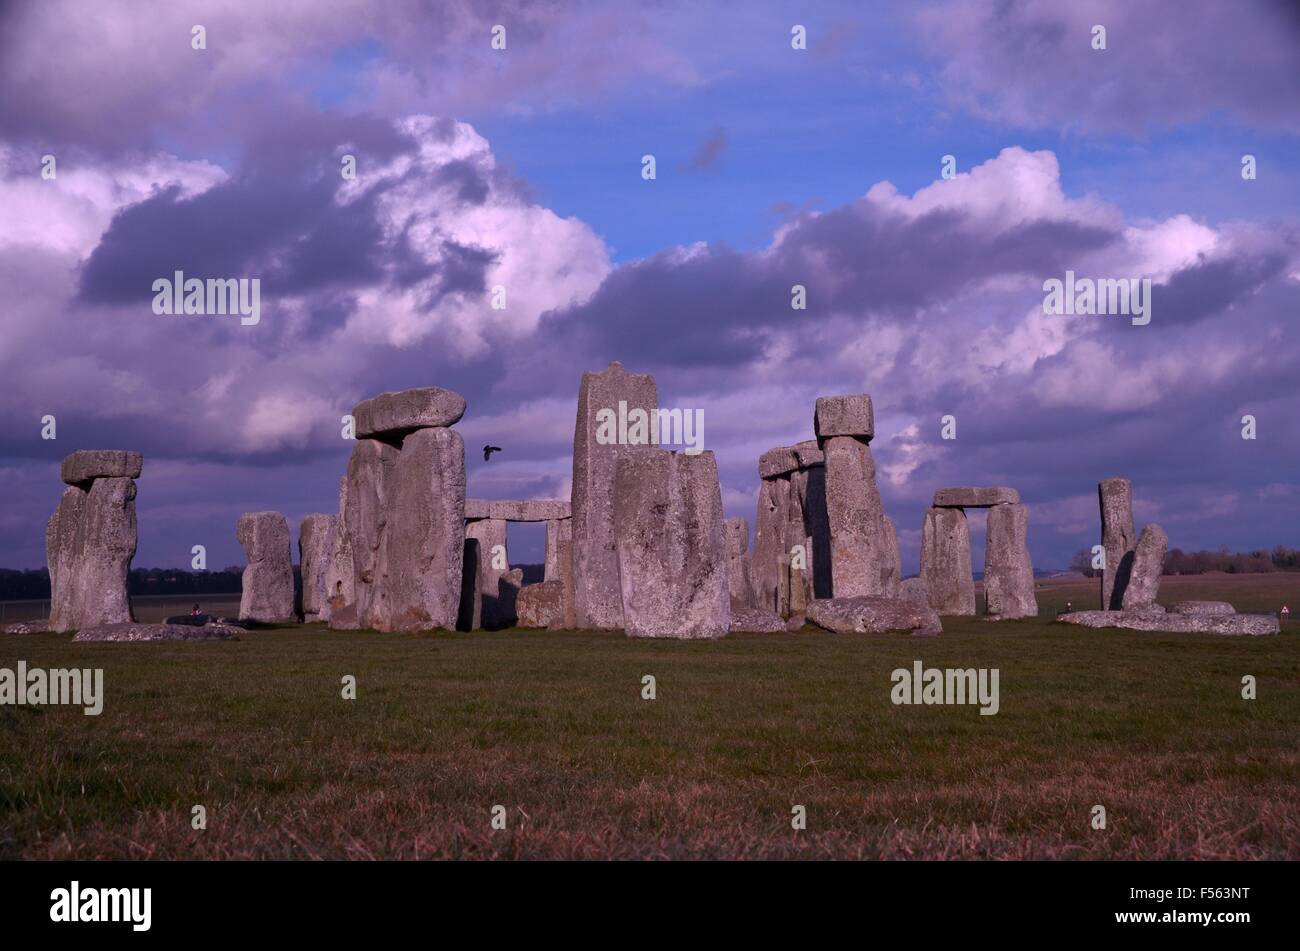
(1179, 562)
(34, 584)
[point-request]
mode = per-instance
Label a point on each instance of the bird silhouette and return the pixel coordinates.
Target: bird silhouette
(488, 450)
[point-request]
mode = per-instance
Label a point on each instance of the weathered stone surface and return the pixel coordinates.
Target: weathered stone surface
(1118, 538)
(756, 621)
(809, 454)
(493, 564)
(513, 510)
(856, 518)
(540, 605)
(89, 542)
(771, 524)
(365, 518)
(945, 561)
(1148, 564)
(798, 576)
(740, 585)
(1008, 570)
(970, 497)
(891, 566)
(1202, 607)
(393, 415)
(873, 615)
(317, 537)
(777, 462)
(340, 573)
(87, 464)
(598, 601)
(557, 530)
(268, 577)
(915, 590)
(671, 540)
(844, 416)
(419, 567)
(1226, 624)
(28, 627)
(158, 632)
(568, 619)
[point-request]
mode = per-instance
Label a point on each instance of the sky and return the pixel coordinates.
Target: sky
(522, 168)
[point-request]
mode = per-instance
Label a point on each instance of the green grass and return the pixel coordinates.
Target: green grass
(552, 726)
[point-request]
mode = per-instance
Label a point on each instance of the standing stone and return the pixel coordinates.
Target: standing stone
(268, 578)
(1148, 564)
(1119, 539)
(597, 599)
(493, 563)
(90, 541)
(771, 521)
(856, 517)
(671, 540)
(340, 575)
(365, 518)
(945, 561)
(1008, 571)
(557, 530)
(915, 590)
(423, 546)
(317, 535)
(739, 584)
(892, 566)
(566, 619)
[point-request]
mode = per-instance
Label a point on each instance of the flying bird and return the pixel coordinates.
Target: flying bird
(488, 450)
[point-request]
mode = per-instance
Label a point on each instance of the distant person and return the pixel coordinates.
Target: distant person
(194, 611)
(1068, 609)
(1285, 613)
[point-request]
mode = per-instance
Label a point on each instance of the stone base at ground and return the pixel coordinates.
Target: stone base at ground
(159, 632)
(28, 627)
(872, 615)
(1227, 624)
(757, 621)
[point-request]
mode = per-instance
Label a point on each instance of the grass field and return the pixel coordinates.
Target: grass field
(553, 727)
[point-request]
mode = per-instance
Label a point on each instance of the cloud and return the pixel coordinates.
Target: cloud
(1031, 62)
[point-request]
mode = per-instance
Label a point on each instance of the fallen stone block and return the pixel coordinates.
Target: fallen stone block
(844, 416)
(971, 497)
(757, 621)
(394, 415)
(873, 615)
(915, 590)
(85, 465)
(28, 627)
(540, 605)
(158, 632)
(1226, 624)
